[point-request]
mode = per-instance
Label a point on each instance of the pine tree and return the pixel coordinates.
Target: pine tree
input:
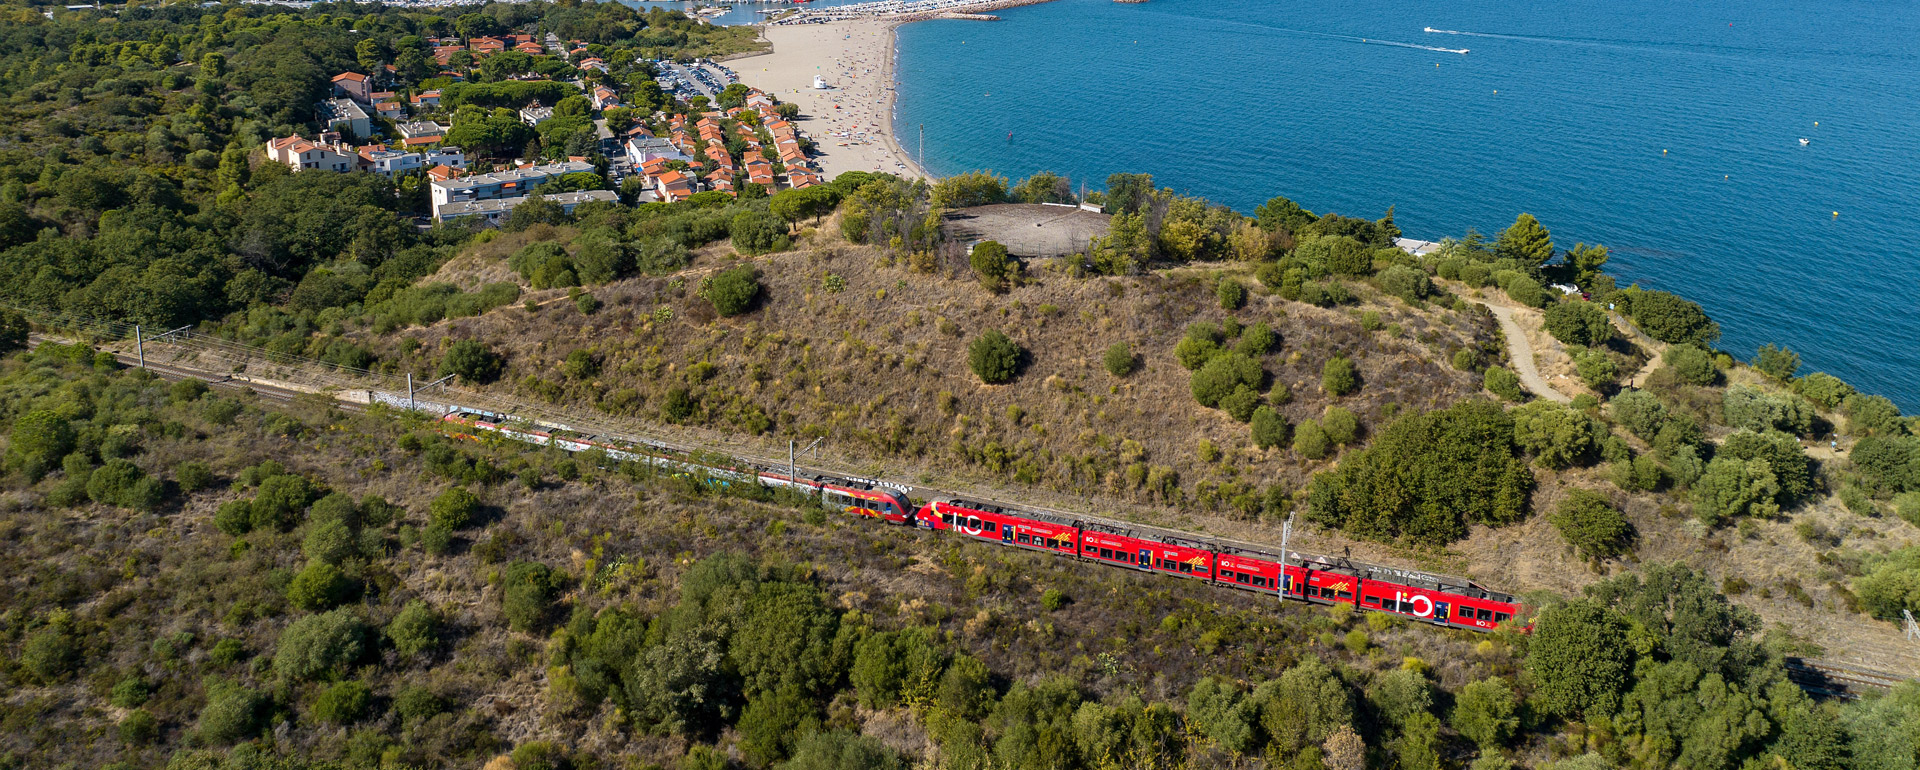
(1526, 241)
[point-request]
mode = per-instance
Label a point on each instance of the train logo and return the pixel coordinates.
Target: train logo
(1422, 606)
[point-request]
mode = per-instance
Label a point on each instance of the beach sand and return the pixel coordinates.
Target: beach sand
(851, 125)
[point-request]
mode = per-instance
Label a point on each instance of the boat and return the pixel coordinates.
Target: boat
(1805, 141)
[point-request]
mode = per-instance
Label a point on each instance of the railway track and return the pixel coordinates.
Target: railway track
(1816, 677)
(1838, 680)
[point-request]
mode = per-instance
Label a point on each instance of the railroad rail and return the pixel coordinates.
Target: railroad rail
(1838, 680)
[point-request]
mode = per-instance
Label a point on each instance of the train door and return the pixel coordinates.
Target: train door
(1146, 558)
(1442, 612)
(1006, 535)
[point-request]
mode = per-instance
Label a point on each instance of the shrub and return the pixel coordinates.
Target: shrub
(527, 595)
(1426, 475)
(417, 703)
(991, 264)
(1592, 525)
(1668, 318)
(1557, 435)
(678, 405)
(993, 357)
(49, 654)
(1466, 359)
(1052, 600)
(731, 291)
(122, 484)
(1580, 658)
(1777, 362)
(1222, 376)
(1119, 359)
(757, 232)
(38, 441)
(343, 703)
(320, 646)
(1340, 425)
(415, 629)
(193, 475)
(1194, 352)
(1871, 415)
(234, 517)
(1241, 403)
(1639, 412)
(1596, 369)
(1731, 488)
(1231, 294)
(1487, 713)
(319, 586)
(329, 542)
(1407, 283)
(232, 714)
(1753, 409)
(1824, 389)
(1269, 428)
(1339, 377)
(1504, 383)
(839, 750)
(453, 508)
(1526, 291)
(1785, 460)
(1256, 340)
(1579, 323)
(139, 728)
(472, 361)
(130, 692)
(1310, 440)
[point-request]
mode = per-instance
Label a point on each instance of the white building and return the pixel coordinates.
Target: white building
(534, 114)
(496, 209)
(301, 154)
(340, 114)
(511, 183)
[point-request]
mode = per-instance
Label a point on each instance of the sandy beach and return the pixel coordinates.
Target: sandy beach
(852, 124)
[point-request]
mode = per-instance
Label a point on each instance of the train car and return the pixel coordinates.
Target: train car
(1323, 582)
(1442, 601)
(1007, 526)
(1248, 569)
(856, 496)
(1147, 550)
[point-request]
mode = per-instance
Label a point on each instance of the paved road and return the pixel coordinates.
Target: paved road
(1522, 354)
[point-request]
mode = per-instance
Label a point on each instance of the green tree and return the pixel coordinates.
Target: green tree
(1256, 340)
(1218, 708)
(319, 586)
(1750, 408)
(1340, 424)
(1525, 241)
(1407, 283)
(1777, 362)
(1119, 359)
(472, 361)
(974, 188)
(1558, 436)
(453, 508)
(773, 724)
(993, 357)
(1732, 488)
(991, 264)
(233, 713)
(1639, 412)
(1586, 261)
(1303, 707)
(1223, 375)
(1596, 369)
(1690, 364)
(839, 750)
(1280, 213)
(1786, 461)
(1339, 376)
(1579, 658)
(1579, 323)
(38, 441)
(1668, 318)
(415, 629)
(1503, 383)
(13, 331)
(527, 594)
(1592, 525)
(1824, 389)
(1487, 713)
(758, 232)
(343, 703)
(1231, 294)
(731, 291)
(1269, 428)
(320, 646)
(329, 542)
(1425, 476)
(1044, 187)
(1310, 440)
(1400, 694)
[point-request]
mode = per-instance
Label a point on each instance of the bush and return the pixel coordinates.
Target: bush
(1579, 323)
(1269, 428)
(1526, 291)
(130, 692)
(991, 264)
(1592, 525)
(1784, 458)
(1668, 318)
(527, 595)
(193, 475)
(139, 728)
(1425, 476)
(840, 750)
(234, 517)
(122, 484)
(232, 714)
(1753, 409)
(319, 586)
(1466, 359)
(1824, 389)
(1504, 383)
(1731, 488)
(1407, 283)
(329, 542)
(1310, 440)
(1580, 658)
(1871, 415)
(1222, 376)
(1556, 435)
(1487, 713)
(320, 646)
(757, 232)
(1256, 340)
(1639, 412)
(1119, 359)
(1340, 425)
(415, 629)
(731, 291)
(50, 654)
(417, 703)
(1339, 376)
(1596, 369)
(38, 441)
(472, 361)
(1777, 362)
(1231, 294)
(993, 357)
(343, 703)
(1241, 403)
(453, 508)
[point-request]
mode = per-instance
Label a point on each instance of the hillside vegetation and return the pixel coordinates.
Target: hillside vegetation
(200, 582)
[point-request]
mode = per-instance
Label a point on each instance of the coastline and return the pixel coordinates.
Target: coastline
(853, 125)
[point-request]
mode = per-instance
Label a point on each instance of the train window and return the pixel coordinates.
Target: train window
(1343, 595)
(992, 528)
(1259, 581)
(1485, 615)
(1106, 554)
(1500, 617)
(1313, 590)
(1371, 599)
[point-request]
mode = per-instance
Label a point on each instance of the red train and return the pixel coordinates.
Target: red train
(1315, 579)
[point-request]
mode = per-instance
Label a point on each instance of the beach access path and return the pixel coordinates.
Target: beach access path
(851, 125)
(1521, 352)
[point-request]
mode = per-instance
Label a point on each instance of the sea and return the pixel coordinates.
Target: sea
(1668, 131)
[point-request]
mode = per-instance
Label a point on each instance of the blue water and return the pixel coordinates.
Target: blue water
(1666, 130)
(741, 13)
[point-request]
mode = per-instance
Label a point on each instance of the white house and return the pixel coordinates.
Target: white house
(301, 154)
(534, 114)
(341, 114)
(511, 183)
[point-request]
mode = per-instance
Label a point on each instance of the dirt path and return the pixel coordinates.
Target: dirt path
(1522, 354)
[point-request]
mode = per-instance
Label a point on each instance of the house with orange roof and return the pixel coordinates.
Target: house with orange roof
(353, 85)
(487, 45)
(604, 98)
(721, 181)
(390, 110)
(444, 53)
(444, 172)
(427, 100)
(530, 48)
(760, 172)
(302, 154)
(801, 177)
(673, 186)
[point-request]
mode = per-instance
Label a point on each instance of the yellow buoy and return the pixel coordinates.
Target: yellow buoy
(1836, 215)
(1663, 152)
